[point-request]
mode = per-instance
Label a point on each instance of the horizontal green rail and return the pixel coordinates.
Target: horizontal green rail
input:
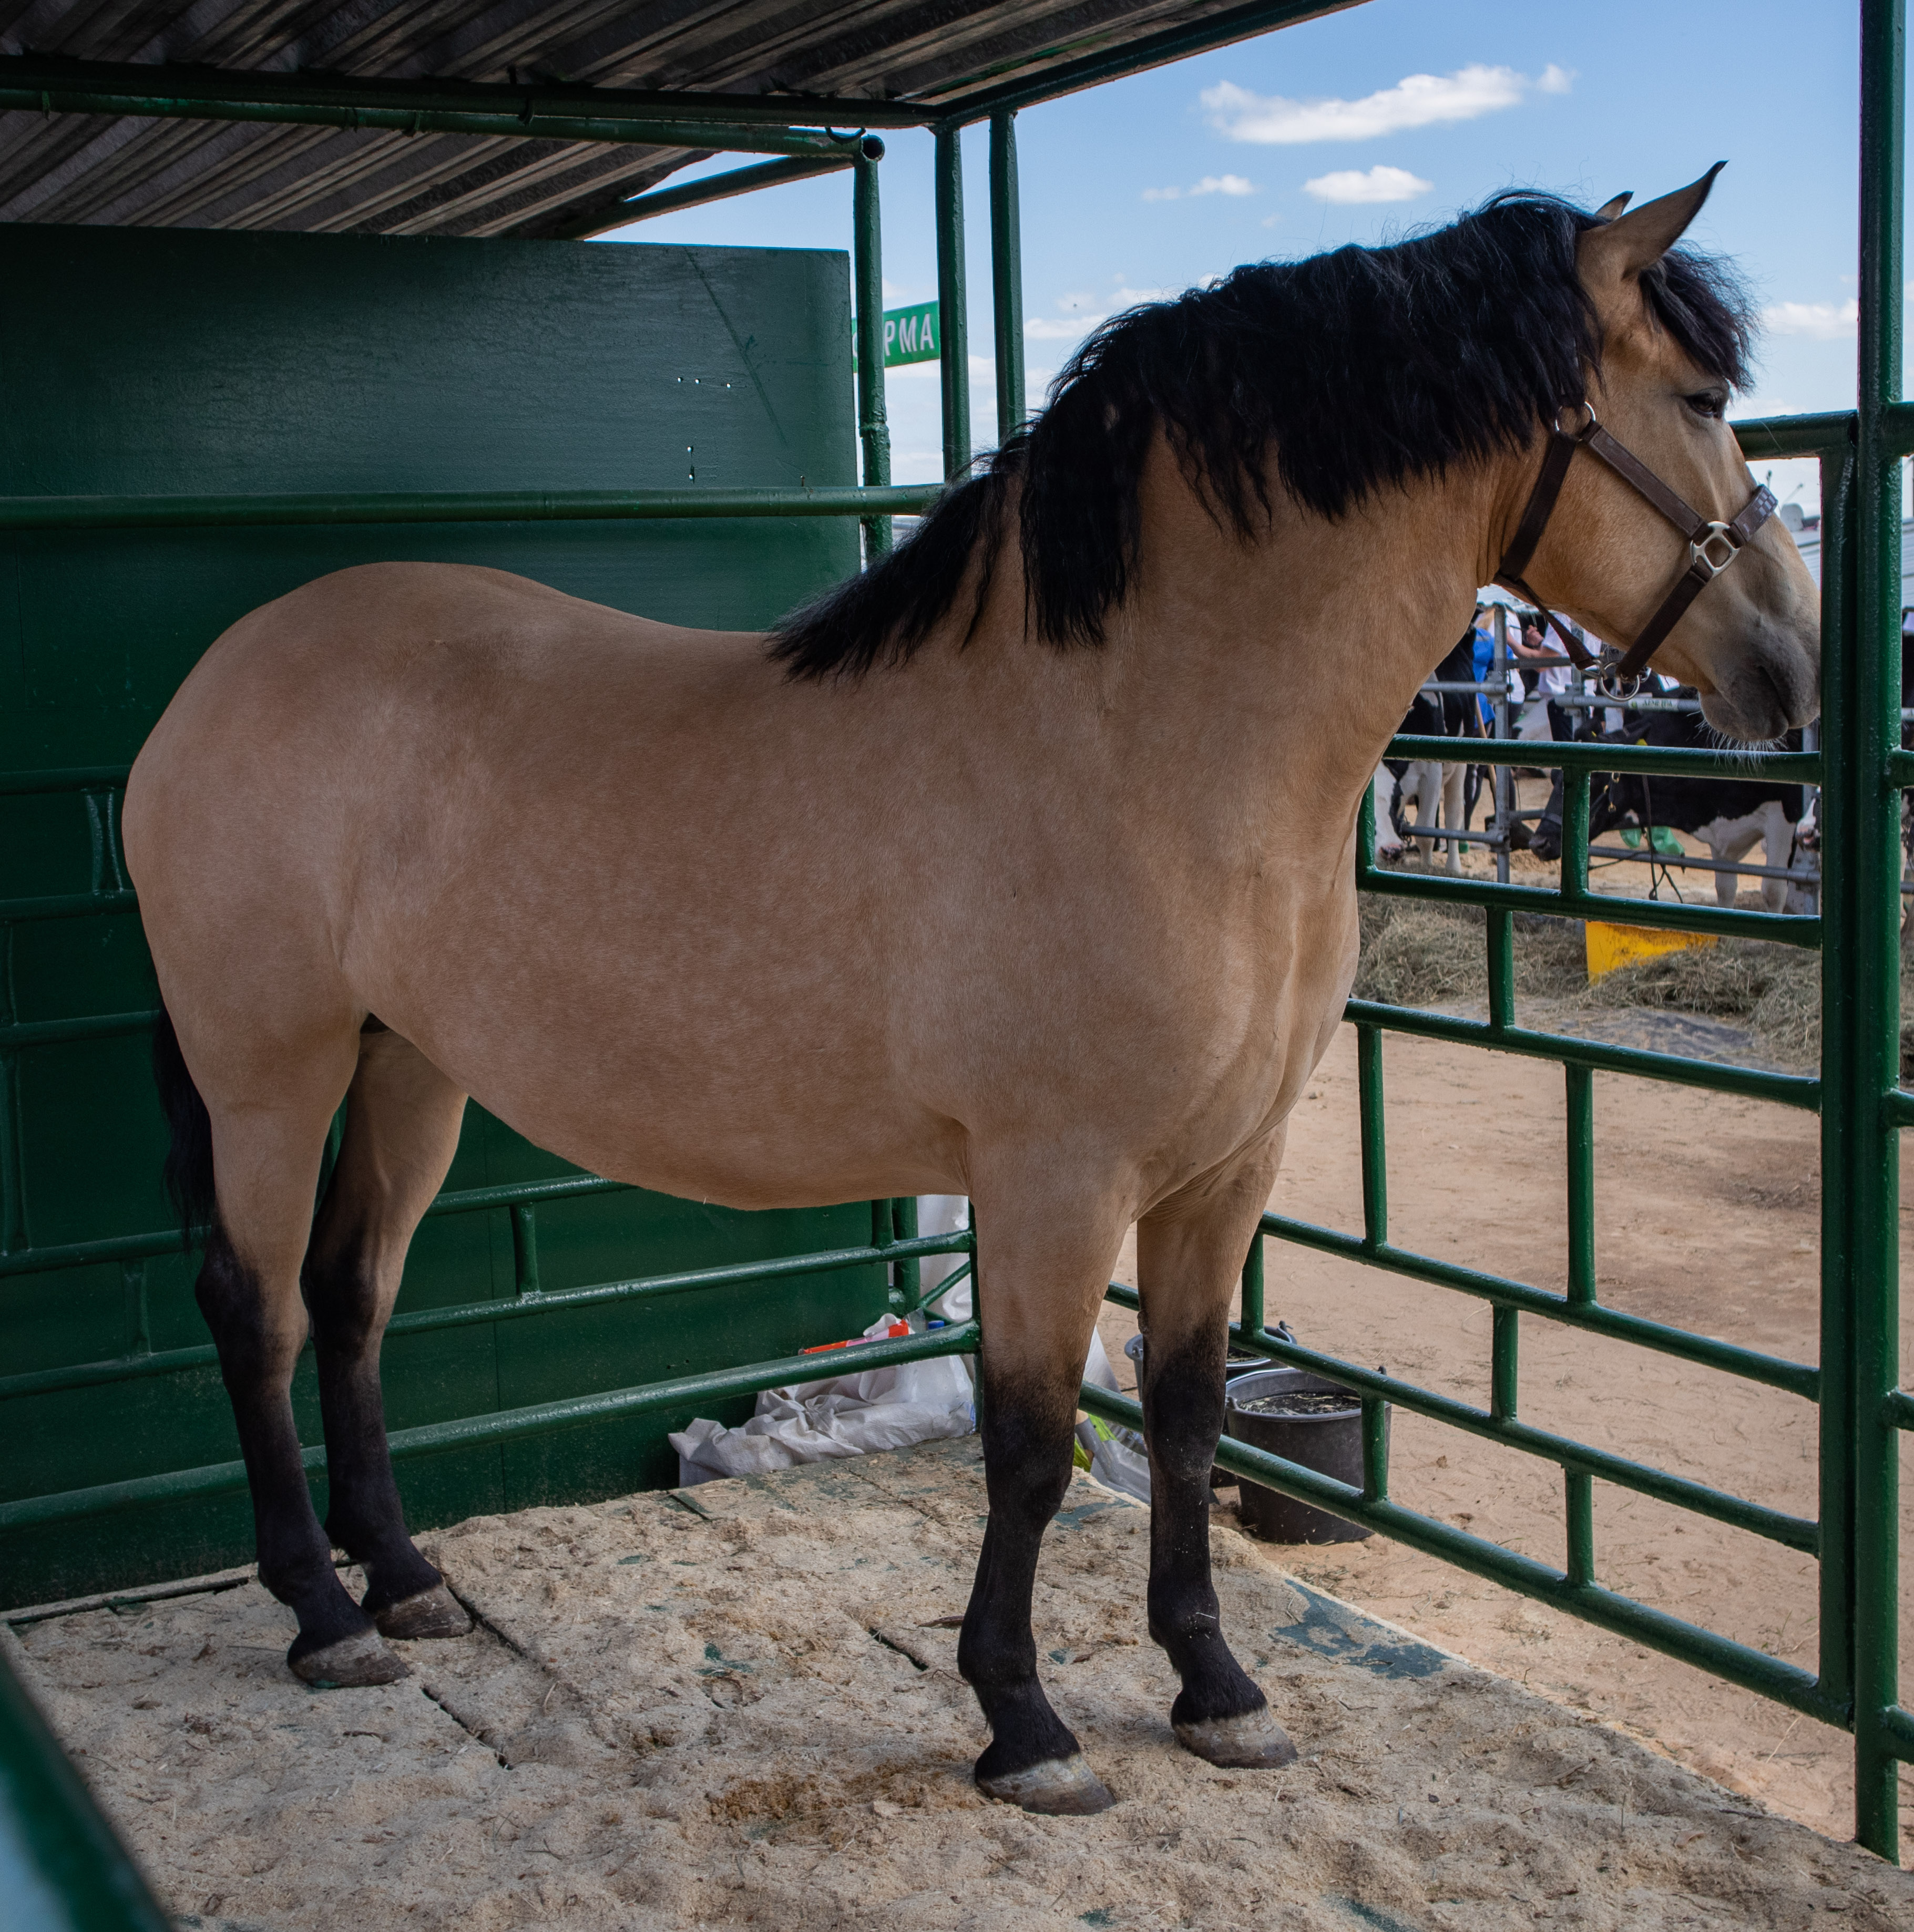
(1794, 1532)
(1753, 1669)
(506, 1425)
(1587, 755)
(717, 187)
(67, 905)
(511, 1308)
(1754, 1083)
(1798, 1379)
(59, 1032)
(458, 506)
(1825, 434)
(1780, 928)
(64, 777)
(168, 1241)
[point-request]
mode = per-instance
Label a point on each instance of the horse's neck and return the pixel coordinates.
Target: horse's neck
(1278, 670)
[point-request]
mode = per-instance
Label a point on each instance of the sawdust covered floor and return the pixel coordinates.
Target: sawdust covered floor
(746, 1712)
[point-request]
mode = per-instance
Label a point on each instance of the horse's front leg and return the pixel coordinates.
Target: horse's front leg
(1190, 1251)
(1039, 1288)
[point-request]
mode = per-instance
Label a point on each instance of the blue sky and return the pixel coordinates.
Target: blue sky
(1366, 125)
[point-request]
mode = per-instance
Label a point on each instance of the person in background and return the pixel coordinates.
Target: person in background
(1552, 681)
(1487, 616)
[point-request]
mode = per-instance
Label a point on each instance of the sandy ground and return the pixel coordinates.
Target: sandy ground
(1707, 1212)
(742, 1708)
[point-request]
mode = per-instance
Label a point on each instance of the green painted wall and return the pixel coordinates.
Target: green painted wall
(150, 361)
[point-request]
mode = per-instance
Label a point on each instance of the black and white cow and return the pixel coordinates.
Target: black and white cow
(1429, 791)
(1730, 816)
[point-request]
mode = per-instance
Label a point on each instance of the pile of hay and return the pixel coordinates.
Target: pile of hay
(1415, 954)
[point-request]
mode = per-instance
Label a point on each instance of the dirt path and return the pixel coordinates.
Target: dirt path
(743, 1709)
(1707, 1219)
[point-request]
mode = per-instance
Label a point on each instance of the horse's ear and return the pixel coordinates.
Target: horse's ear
(1609, 210)
(1630, 243)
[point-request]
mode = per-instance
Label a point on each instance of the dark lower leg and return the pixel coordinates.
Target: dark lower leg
(1027, 1439)
(363, 1515)
(1182, 1417)
(256, 1358)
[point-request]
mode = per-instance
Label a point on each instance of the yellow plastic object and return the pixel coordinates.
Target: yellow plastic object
(1612, 945)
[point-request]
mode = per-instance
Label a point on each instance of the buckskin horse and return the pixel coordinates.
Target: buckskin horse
(414, 832)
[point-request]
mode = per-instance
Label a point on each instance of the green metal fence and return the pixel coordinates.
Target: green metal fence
(1862, 1410)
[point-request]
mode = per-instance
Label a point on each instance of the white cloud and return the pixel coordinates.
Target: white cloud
(1083, 318)
(1350, 185)
(1828, 322)
(1419, 101)
(1232, 184)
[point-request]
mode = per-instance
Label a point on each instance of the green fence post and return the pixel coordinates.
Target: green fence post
(868, 273)
(1375, 1450)
(1500, 929)
(1579, 1106)
(1375, 1145)
(1505, 1364)
(524, 1250)
(953, 321)
(1007, 273)
(1578, 1496)
(1252, 1317)
(66, 1869)
(1865, 985)
(1838, 1077)
(907, 1288)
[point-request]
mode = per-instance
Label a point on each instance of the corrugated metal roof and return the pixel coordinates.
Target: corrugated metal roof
(134, 171)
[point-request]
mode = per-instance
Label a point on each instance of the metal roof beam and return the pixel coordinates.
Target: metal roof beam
(720, 187)
(764, 124)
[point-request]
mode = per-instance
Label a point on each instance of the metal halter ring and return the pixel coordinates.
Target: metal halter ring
(1703, 549)
(1621, 690)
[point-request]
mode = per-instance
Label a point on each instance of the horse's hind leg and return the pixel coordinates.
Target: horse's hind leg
(266, 1154)
(1189, 1254)
(1038, 1293)
(402, 1121)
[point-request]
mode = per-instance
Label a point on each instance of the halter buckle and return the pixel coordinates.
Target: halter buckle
(1585, 429)
(1617, 690)
(1714, 549)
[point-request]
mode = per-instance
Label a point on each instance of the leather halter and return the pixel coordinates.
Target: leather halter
(1712, 546)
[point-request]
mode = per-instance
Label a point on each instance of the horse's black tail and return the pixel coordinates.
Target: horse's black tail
(188, 1170)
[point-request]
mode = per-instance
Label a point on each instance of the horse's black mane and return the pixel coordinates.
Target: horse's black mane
(1361, 368)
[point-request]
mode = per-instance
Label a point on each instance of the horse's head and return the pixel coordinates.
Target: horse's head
(1750, 641)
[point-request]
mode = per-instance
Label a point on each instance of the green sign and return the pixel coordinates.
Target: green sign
(910, 335)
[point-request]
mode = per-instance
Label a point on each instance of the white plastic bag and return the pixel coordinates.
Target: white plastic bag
(1118, 1458)
(887, 1407)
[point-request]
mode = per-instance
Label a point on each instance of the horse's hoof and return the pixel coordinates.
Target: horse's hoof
(354, 1660)
(1059, 1787)
(433, 1612)
(1254, 1741)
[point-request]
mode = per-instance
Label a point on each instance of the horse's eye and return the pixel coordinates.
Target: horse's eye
(1711, 402)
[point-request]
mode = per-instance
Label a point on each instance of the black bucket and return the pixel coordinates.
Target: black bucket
(1240, 1362)
(1330, 1444)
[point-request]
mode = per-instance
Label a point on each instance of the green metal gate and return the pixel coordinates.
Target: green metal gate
(1861, 772)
